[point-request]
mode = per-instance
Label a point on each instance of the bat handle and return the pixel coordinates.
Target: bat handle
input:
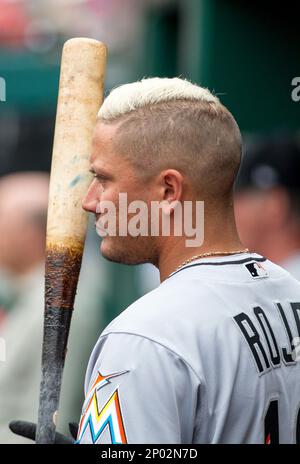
(56, 330)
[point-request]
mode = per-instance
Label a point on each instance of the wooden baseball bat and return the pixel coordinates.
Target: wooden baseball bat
(80, 96)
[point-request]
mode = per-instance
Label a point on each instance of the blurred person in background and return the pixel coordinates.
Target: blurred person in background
(267, 200)
(23, 210)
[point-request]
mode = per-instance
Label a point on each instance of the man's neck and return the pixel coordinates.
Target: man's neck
(220, 235)
(176, 253)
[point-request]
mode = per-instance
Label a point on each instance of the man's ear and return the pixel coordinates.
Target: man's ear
(171, 182)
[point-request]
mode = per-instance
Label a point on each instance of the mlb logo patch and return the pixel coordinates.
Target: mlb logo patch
(256, 270)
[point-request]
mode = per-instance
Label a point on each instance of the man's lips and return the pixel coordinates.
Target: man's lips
(98, 225)
(101, 232)
(100, 229)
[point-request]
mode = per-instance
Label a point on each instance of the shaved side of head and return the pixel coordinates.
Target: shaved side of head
(172, 123)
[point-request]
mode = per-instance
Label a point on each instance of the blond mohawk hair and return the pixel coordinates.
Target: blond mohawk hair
(166, 123)
(130, 97)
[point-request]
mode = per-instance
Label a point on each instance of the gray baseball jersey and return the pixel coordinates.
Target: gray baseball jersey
(210, 356)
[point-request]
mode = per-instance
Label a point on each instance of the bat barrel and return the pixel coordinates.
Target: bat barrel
(80, 96)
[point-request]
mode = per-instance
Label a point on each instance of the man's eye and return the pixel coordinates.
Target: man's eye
(99, 177)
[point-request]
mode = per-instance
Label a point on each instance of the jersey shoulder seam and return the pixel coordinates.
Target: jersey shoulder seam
(157, 343)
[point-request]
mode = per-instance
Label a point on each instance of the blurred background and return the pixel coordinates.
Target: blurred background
(245, 52)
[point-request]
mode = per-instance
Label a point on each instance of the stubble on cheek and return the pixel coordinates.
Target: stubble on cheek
(121, 246)
(128, 250)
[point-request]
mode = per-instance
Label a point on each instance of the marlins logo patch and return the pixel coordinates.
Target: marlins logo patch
(109, 416)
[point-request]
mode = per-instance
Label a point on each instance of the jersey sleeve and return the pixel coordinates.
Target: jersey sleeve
(139, 392)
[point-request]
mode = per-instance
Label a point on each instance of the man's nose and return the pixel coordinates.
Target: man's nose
(90, 200)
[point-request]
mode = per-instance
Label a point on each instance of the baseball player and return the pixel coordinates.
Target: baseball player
(211, 355)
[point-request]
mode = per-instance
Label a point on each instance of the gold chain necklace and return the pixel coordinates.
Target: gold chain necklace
(210, 253)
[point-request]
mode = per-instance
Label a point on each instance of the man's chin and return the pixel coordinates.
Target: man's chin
(118, 252)
(112, 252)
